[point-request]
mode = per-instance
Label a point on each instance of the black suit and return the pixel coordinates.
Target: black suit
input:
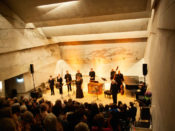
(119, 79)
(60, 80)
(114, 90)
(112, 75)
(51, 84)
(92, 75)
(68, 81)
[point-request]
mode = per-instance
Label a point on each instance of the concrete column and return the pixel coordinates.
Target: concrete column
(160, 55)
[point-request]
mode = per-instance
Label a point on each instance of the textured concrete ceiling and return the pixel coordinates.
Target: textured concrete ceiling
(84, 17)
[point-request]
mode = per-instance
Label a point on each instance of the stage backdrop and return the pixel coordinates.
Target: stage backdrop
(102, 57)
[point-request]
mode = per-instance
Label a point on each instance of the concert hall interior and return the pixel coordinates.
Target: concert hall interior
(44, 38)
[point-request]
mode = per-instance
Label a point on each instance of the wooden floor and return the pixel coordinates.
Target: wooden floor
(87, 97)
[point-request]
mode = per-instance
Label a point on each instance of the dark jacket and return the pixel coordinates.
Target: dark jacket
(51, 82)
(68, 77)
(114, 88)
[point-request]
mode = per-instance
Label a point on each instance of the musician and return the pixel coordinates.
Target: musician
(92, 74)
(59, 84)
(112, 74)
(78, 74)
(51, 84)
(119, 79)
(142, 89)
(79, 91)
(114, 90)
(68, 78)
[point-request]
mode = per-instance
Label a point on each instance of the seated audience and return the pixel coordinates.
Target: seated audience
(132, 112)
(31, 114)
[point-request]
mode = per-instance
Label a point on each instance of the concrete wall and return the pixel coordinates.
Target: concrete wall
(103, 57)
(22, 44)
(12, 84)
(160, 56)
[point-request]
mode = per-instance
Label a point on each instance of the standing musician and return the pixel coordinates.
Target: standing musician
(59, 84)
(120, 79)
(112, 74)
(114, 90)
(79, 91)
(92, 75)
(51, 84)
(78, 74)
(68, 80)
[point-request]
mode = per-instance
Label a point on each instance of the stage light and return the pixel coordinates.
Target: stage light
(0, 86)
(19, 80)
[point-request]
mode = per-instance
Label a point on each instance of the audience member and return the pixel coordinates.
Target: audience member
(41, 115)
(81, 126)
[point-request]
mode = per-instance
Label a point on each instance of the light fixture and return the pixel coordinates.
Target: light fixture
(0, 86)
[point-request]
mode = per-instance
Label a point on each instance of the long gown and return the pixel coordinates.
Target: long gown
(79, 92)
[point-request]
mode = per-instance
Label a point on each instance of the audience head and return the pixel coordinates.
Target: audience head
(124, 107)
(59, 75)
(91, 69)
(51, 123)
(120, 104)
(27, 117)
(81, 126)
(99, 120)
(78, 71)
(7, 124)
(16, 108)
(23, 108)
(58, 103)
(44, 107)
(67, 72)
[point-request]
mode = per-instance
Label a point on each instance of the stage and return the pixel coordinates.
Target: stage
(87, 97)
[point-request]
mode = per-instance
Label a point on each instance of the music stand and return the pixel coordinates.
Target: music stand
(104, 79)
(96, 91)
(73, 85)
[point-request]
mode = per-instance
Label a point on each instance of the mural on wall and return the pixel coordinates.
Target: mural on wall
(104, 57)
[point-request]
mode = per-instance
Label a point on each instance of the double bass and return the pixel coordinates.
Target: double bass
(121, 86)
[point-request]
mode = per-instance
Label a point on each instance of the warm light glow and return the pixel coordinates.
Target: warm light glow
(100, 66)
(0, 86)
(55, 4)
(19, 80)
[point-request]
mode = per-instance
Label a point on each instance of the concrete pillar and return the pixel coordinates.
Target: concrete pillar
(160, 56)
